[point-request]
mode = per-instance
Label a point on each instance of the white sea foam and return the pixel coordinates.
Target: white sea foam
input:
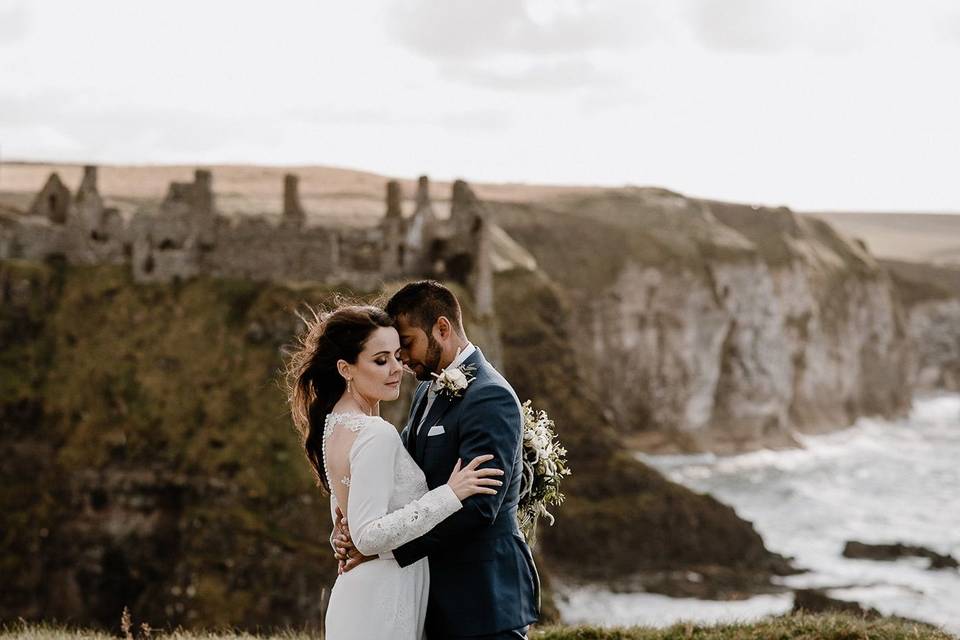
(877, 481)
(592, 605)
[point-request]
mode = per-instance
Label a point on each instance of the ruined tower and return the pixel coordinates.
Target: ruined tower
(293, 213)
(392, 258)
(53, 201)
(202, 209)
(421, 233)
(469, 259)
(88, 204)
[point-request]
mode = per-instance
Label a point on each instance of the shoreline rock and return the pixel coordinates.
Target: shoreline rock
(890, 552)
(817, 601)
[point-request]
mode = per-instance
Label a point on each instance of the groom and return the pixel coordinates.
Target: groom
(483, 583)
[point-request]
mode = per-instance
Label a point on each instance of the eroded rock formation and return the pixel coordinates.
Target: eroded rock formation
(725, 327)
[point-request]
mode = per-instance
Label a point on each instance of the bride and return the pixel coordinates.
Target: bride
(348, 361)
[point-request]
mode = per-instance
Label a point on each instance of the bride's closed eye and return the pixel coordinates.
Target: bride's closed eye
(382, 360)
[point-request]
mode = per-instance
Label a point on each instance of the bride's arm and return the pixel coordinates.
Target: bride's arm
(491, 423)
(372, 480)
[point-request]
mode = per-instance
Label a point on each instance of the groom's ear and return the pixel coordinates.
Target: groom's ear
(443, 327)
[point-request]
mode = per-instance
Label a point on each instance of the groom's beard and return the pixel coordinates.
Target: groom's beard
(431, 362)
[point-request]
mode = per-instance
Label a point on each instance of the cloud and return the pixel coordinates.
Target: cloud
(537, 46)
(819, 26)
(949, 26)
(14, 21)
(467, 29)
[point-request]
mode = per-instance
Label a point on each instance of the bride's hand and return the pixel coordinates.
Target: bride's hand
(469, 480)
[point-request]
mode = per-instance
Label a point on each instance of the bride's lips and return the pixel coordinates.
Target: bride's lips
(393, 384)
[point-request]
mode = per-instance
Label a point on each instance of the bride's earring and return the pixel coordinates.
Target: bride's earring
(364, 406)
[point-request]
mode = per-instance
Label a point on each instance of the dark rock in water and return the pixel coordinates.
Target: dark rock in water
(861, 550)
(817, 601)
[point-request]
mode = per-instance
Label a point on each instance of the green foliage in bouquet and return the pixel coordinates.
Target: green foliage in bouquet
(544, 466)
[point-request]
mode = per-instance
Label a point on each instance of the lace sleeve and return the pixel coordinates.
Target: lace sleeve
(372, 470)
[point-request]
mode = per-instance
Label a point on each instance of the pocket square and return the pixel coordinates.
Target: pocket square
(435, 430)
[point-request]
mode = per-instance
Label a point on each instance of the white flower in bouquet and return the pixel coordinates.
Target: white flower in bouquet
(544, 466)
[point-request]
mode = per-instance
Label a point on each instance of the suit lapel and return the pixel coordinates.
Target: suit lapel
(441, 405)
(419, 398)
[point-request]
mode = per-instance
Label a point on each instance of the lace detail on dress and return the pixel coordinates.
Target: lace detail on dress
(409, 522)
(352, 421)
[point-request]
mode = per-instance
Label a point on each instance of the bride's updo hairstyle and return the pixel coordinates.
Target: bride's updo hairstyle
(313, 383)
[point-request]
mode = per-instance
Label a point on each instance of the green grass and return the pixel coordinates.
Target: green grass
(799, 627)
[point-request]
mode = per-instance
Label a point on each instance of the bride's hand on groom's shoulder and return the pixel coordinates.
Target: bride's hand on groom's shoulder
(470, 480)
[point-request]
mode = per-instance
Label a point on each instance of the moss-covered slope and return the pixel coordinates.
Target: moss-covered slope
(148, 459)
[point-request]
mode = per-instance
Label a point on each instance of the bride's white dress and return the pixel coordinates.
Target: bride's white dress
(385, 497)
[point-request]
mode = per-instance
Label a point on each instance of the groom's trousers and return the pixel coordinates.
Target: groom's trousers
(515, 634)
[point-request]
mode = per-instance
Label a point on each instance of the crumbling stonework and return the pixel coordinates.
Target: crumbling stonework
(185, 236)
(293, 212)
(53, 201)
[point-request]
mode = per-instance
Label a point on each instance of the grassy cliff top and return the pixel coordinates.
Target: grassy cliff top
(799, 626)
(918, 282)
(584, 240)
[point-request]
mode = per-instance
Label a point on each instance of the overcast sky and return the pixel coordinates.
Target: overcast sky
(816, 104)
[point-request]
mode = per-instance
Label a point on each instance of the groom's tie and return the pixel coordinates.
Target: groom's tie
(412, 434)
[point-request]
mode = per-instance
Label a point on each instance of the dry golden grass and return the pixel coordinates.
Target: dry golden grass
(913, 237)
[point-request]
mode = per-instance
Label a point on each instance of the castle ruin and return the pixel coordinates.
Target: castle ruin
(186, 236)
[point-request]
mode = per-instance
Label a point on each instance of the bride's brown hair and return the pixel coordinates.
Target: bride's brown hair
(313, 383)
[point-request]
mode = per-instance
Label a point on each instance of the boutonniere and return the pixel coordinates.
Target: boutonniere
(452, 382)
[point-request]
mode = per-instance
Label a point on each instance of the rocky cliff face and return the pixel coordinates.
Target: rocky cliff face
(622, 522)
(714, 326)
(931, 295)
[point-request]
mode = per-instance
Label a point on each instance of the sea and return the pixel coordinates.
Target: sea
(878, 481)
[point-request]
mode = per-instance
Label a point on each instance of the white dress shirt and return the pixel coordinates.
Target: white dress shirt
(465, 353)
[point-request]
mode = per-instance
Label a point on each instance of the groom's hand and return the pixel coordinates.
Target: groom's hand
(346, 554)
(342, 544)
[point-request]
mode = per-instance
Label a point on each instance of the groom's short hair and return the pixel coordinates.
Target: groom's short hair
(423, 302)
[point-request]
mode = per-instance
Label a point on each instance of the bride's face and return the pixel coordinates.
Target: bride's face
(377, 372)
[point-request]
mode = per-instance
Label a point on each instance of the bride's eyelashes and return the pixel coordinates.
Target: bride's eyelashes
(383, 360)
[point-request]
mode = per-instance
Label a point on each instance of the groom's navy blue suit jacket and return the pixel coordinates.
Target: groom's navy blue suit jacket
(482, 576)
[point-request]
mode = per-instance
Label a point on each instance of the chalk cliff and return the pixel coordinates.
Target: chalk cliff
(931, 296)
(708, 325)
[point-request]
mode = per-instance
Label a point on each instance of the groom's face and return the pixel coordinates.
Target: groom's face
(419, 350)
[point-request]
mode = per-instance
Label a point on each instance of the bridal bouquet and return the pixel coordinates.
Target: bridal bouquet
(544, 466)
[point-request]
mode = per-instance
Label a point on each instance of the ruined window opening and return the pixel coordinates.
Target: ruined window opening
(458, 267)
